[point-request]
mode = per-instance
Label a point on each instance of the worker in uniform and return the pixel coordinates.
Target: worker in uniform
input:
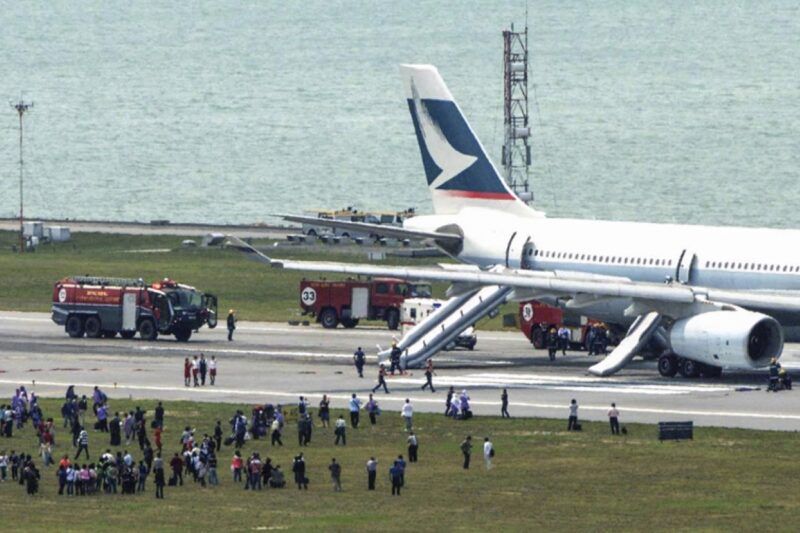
(552, 343)
(774, 375)
(394, 358)
(231, 323)
(786, 379)
(381, 380)
(563, 339)
(429, 375)
(359, 358)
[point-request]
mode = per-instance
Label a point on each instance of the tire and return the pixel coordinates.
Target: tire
(328, 318)
(537, 337)
(668, 365)
(349, 323)
(345, 235)
(127, 334)
(147, 330)
(183, 334)
(93, 327)
(689, 368)
(710, 371)
(109, 334)
(312, 233)
(392, 319)
(74, 326)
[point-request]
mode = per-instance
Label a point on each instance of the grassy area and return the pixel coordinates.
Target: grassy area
(544, 478)
(256, 292)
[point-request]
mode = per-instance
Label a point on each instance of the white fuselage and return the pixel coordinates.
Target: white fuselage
(706, 256)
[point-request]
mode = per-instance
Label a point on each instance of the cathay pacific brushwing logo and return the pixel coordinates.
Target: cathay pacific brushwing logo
(451, 161)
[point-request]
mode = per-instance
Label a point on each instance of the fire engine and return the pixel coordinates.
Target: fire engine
(103, 307)
(348, 301)
(535, 318)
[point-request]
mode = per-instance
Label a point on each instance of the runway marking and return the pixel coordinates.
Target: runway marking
(415, 399)
(566, 383)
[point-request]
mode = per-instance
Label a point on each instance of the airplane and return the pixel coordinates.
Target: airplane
(708, 297)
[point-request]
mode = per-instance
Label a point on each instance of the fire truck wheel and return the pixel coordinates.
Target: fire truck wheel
(183, 334)
(392, 319)
(74, 326)
(127, 334)
(328, 318)
(93, 327)
(147, 330)
(537, 337)
(349, 323)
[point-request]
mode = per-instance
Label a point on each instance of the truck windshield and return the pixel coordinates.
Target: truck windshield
(420, 290)
(184, 299)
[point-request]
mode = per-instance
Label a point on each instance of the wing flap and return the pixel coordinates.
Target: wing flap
(377, 229)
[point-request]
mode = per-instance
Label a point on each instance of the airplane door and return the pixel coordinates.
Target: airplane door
(519, 251)
(684, 272)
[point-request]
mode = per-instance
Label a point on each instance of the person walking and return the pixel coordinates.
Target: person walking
(231, 323)
(449, 400)
(504, 404)
(466, 450)
(552, 343)
(396, 476)
(429, 375)
(613, 419)
(381, 380)
(355, 407)
(572, 423)
(394, 358)
(299, 469)
(212, 370)
(408, 415)
(488, 453)
(83, 443)
(564, 335)
(372, 473)
(187, 371)
(340, 431)
(203, 369)
(359, 359)
(275, 435)
(336, 475)
(413, 447)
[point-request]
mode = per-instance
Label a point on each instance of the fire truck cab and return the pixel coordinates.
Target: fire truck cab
(103, 307)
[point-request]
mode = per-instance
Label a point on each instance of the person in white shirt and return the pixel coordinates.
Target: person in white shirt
(212, 369)
(340, 431)
(613, 419)
(572, 424)
(408, 414)
(488, 453)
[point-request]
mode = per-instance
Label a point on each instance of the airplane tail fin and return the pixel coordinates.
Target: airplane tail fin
(457, 168)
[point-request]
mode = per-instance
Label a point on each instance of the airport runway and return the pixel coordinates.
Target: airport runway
(271, 362)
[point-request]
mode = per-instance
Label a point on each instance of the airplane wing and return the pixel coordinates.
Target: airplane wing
(653, 295)
(377, 229)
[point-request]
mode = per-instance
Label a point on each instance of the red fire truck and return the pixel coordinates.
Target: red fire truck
(103, 307)
(535, 318)
(332, 302)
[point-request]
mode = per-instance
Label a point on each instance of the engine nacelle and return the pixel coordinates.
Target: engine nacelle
(738, 339)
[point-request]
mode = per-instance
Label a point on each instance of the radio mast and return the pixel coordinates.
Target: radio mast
(516, 150)
(22, 108)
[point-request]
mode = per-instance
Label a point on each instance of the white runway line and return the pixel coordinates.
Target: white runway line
(399, 399)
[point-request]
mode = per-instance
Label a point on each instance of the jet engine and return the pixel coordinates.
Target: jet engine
(736, 339)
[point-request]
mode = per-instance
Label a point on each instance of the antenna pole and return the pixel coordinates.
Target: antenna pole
(21, 108)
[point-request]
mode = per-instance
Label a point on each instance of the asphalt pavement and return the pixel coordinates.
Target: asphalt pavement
(272, 362)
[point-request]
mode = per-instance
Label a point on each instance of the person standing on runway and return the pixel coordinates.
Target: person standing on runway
(359, 359)
(212, 370)
(504, 404)
(231, 323)
(187, 371)
(572, 423)
(203, 369)
(429, 375)
(195, 371)
(381, 380)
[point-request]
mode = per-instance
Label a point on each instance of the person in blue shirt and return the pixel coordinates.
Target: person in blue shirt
(396, 474)
(355, 407)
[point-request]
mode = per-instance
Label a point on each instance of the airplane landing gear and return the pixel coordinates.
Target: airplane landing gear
(670, 364)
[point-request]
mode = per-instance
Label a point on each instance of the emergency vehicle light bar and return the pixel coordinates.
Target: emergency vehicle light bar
(99, 280)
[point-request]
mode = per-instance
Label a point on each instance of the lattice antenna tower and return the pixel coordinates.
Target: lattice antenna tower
(516, 150)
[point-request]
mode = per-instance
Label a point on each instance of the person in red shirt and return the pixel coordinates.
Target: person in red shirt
(187, 371)
(236, 466)
(157, 438)
(177, 469)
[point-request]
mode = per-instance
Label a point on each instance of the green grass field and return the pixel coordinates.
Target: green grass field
(255, 291)
(544, 479)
